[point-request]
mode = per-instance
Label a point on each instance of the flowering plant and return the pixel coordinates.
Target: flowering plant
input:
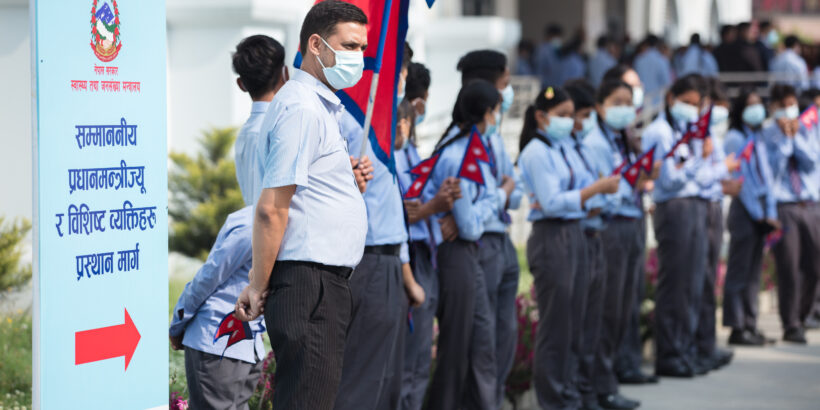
(520, 378)
(177, 402)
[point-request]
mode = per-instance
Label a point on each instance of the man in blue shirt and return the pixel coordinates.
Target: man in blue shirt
(789, 66)
(654, 70)
(219, 376)
(697, 60)
(546, 56)
(604, 59)
(308, 187)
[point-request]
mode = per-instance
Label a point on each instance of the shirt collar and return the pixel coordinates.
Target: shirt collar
(259, 107)
(319, 87)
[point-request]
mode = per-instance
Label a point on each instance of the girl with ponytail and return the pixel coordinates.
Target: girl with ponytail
(561, 191)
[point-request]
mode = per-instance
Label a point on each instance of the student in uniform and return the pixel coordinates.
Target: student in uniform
(723, 165)
(680, 227)
(752, 216)
(793, 157)
(461, 280)
(307, 186)
(219, 376)
(497, 255)
(621, 235)
(588, 297)
(560, 188)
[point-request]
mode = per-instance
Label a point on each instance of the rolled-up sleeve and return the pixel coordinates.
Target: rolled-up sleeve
(291, 148)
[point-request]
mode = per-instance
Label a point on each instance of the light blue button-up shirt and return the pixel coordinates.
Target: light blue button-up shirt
(596, 165)
(303, 146)
(503, 167)
(477, 205)
(655, 72)
(553, 176)
(713, 189)
(211, 294)
(608, 150)
(696, 60)
(755, 194)
(601, 63)
(692, 178)
(783, 151)
(572, 66)
(248, 170)
(792, 67)
(385, 210)
(547, 65)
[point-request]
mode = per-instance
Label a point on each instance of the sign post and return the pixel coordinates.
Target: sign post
(100, 204)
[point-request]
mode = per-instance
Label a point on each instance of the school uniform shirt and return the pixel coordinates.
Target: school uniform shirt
(793, 163)
(696, 60)
(500, 166)
(248, 170)
(477, 205)
(595, 164)
(792, 68)
(303, 146)
(655, 72)
(385, 210)
(553, 176)
(609, 151)
(756, 193)
(696, 172)
(602, 61)
(547, 64)
(712, 190)
(428, 230)
(211, 294)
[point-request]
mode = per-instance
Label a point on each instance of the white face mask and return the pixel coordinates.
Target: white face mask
(791, 112)
(348, 69)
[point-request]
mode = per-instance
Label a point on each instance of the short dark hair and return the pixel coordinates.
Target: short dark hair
(581, 92)
(652, 40)
(780, 92)
(323, 18)
(603, 41)
(407, 58)
(765, 25)
(418, 81)
(791, 40)
(616, 73)
(258, 60)
(553, 29)
(726, 29)
(744, 26)
(695, 39)
(484, 64)
(608, 87)
(717, 90)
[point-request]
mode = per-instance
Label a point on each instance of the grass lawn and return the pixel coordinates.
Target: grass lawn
(15, 361)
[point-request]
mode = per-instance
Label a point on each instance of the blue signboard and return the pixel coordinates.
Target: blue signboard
(100, 175)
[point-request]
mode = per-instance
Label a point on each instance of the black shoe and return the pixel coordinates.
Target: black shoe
(795, 335)
(636, 377)
(745, 338)
(591, 405)
(680, 371)
(721, 358)
(617, 402)
(811, 323)
(702, 366)
(761, 337)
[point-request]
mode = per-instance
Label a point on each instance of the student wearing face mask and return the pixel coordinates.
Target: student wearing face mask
(621, 235)
(680, 226)
(418, 85)
(589, 286)
(560, 188)
(497, 255)
(793, 157)
(752, 215)
(462, 290)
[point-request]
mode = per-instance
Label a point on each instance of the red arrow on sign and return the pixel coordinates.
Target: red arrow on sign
(107, 343)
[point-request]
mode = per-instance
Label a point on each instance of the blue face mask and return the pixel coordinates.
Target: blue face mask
(507, 95)
(420, 118)
(348, 68)
(754, 115)
(637, 97)
(791, 112)
(493, 128)
(772, 38)
(684, 112)
(719, 115)
(560, 128)
(620, 116)
(588, 124)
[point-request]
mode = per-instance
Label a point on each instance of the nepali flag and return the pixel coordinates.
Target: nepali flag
(746, 152)
(475, 152)
(647, 160)
(631, 172)
(235, 329)
(422, 173)
(698, 130)
(809, 118)
(386, 33)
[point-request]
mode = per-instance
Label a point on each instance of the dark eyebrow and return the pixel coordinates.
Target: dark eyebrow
(352, 45)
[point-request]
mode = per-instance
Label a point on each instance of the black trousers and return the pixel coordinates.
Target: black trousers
(589, 290)
(556, 252)
(745, 263)
(307, 314)
(623, 252)
(680, 228)
(630, 353)
(797, 257)
(705, 336)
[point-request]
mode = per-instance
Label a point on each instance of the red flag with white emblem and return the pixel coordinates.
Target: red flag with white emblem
(746, 153)
(809, 118)
(647, 160)
(421, 173)
(235, 329)
(475, 152)
(700, 129)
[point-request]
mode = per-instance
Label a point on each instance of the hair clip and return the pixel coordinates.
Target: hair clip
(549, 93)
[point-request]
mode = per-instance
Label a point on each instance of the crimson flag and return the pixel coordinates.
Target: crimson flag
(475, 152)
(746, 152)
(422, 173)
(235, 329)
(809, 118)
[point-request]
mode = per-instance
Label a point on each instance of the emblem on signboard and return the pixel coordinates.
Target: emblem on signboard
(105, 31)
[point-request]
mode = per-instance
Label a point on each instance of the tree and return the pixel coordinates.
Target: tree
(202, 192)
(12, 275)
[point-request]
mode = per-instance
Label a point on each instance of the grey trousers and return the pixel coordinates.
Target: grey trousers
(680, 228)
(499, 262)
(705, 336)
(555, 251)
(307, 315)
(589, 304)
(219, 383)
(797, 257)
(374, 351)
(742, 285)
(623, 252)
(630, 353)
(418, 344)
(461, 290)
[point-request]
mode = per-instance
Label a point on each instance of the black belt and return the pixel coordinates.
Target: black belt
(612, 217)
(801, 204)
(393, 250)
(341, 271)
(592, 232)
(556, 221)
(495, 234)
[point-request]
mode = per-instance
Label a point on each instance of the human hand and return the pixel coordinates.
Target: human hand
(415, 294)
(732, 187)
(362, 170)
(449, 229)
(176, 341)
(732, 163)
(250, 304)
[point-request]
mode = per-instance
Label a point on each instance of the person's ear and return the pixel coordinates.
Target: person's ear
(314, 45)
(240, 85)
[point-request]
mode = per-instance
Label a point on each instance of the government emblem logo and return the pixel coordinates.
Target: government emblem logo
(105, 31)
